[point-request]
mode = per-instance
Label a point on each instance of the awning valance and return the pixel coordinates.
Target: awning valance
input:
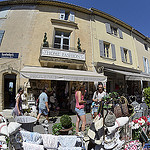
(131, 75)
(43, 73)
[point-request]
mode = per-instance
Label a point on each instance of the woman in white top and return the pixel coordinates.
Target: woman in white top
(97, 97)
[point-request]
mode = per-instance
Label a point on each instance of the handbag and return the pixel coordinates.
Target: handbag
(96, 130)
(109, 118)
(118, 111)
(121, 109)
(124, 106)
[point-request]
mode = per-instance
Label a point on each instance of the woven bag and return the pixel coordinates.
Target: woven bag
(118, 111)
(124, 106)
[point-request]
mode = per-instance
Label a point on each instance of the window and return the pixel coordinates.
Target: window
(1, 35)
(146, 47)
(67, 15)
(126, 55)
(107, 50)
(146, 65)
(62, 40)
(114, 30)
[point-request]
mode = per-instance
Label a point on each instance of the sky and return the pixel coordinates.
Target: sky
(135, 13)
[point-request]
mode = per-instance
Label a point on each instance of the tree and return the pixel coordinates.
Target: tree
(146, 94)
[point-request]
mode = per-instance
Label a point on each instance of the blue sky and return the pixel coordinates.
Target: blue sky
(136, 13)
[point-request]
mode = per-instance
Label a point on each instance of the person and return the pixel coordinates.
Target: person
(97, 97)
(17, 111)
(79, 108)
(43, 105)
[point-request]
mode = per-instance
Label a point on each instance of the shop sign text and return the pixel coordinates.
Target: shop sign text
(63, 54)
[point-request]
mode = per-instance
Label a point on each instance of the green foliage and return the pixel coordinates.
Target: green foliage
(147, 96)
(74, 129)
(79, 46)
(56, 127)
(136, 134)
(45, 42)
(66, 121)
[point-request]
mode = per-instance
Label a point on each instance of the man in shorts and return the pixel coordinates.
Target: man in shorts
(43, 105)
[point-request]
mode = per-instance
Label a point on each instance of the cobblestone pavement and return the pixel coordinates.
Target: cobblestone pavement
(39, 128)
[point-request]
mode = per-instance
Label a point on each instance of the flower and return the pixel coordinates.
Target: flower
(139, 122)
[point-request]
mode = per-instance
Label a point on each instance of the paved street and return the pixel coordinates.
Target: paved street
(39, 128)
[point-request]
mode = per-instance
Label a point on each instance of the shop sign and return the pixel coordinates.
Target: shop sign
(9, 55)
(63, 54)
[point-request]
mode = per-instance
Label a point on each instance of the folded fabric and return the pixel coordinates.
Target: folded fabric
(118, 123)
(31, 137)
(30, 146)
(13, 127)
(4, 129)
(50, 141)
(69, 148)
(67, 141)
(2, 139)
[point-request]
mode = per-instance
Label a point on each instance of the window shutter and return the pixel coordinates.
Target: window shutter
(72, 17)
(113, 51)
(120, 33)
(101, 46)
(148, 66)
(130, 57)
(108, 29)
(145, 70)
(1, 35)
(122, 54)
(62, 14)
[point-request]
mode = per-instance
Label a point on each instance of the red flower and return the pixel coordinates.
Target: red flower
(139, 119)
(145, 118)
(148, 123)
(140, 124)
(135, 121)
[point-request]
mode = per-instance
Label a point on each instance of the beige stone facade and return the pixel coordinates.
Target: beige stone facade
(23, 25)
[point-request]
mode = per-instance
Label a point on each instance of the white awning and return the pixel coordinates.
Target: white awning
(43, 73)
(131, 75)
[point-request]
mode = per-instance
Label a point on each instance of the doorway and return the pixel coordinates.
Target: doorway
(9, 90)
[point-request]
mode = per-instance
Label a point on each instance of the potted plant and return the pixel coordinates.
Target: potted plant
(66, 123)
(64, 126)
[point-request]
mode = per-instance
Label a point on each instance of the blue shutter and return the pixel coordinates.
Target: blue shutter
(122, 54)
(130, 56)
(1, 35)
(120, 33)
(72, 17)
(62, 14)
(108, 28)
(144, 63)
(101, 46)
(148, 66)
(113, 51)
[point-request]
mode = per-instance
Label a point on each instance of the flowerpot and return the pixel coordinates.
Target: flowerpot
(65, 131)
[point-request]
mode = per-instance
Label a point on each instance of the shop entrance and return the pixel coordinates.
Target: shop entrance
(9, 90)
(62, 94)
